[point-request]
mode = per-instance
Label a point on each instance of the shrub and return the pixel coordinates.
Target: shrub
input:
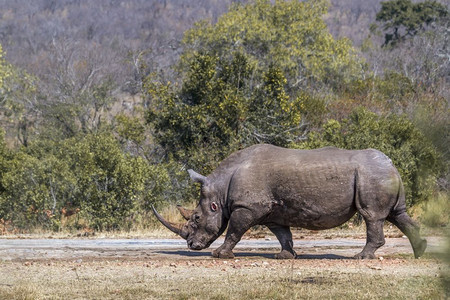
(90, 174)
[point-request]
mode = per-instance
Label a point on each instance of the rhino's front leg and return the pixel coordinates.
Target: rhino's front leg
(240, 221)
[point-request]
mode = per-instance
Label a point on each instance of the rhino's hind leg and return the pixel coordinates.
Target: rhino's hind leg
(284, 236)
(375, 239)
(411, 230)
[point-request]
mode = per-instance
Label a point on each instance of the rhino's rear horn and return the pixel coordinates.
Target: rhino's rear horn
(176, 228)
(197, 177)
(186, 213)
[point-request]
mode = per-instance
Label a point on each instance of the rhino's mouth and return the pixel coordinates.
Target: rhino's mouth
(200, 244)
(194, 245)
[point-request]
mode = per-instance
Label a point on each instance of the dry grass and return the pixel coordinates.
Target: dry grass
(247, 278)
(159, 231)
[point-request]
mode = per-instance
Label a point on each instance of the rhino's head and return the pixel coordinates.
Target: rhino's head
(205, 223)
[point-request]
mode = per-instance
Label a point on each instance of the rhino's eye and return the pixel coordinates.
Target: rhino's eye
(213, 206)
(197, 218)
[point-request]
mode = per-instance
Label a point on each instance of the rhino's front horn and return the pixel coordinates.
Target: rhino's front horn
(177, 228)
(186, 213)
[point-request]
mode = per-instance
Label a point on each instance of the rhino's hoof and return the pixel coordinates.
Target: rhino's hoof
(222, 254)
(420, 249)
(363, 255)
(284, 254)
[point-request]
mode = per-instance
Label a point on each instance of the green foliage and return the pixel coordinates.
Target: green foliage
(18, 95)
(33, 187)
(78, 111)
(90, 173)
(132, 133)
(414, 156)
(289, 34)
(403, 18)
(265, 72)
(102, 173)
(391, 92)
(4, 157)
(4, 69)
(437, 211)
(241, 80)
(432, 119)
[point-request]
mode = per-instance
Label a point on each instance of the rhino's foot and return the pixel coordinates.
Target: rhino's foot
(284, 254)
(219, 253)
(364, 255)
(420, 248)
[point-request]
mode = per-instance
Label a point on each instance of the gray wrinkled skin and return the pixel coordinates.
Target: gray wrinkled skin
(313, 189)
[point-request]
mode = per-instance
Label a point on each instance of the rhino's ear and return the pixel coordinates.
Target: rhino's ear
(197, 177)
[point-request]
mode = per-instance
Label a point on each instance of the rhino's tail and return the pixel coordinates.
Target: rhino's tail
(400, 203)
(358, 187)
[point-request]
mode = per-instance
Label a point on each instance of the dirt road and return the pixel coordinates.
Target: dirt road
(82, 249)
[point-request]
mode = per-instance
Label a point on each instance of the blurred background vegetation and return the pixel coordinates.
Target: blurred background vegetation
(105, 104)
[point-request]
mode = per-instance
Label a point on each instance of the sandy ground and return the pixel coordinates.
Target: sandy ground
(105, 268)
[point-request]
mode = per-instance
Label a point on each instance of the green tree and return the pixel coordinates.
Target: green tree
(403, 18)
(288, 34)
(248, 78)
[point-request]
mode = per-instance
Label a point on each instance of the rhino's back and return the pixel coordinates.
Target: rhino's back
(310, 188)
(317, 165)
